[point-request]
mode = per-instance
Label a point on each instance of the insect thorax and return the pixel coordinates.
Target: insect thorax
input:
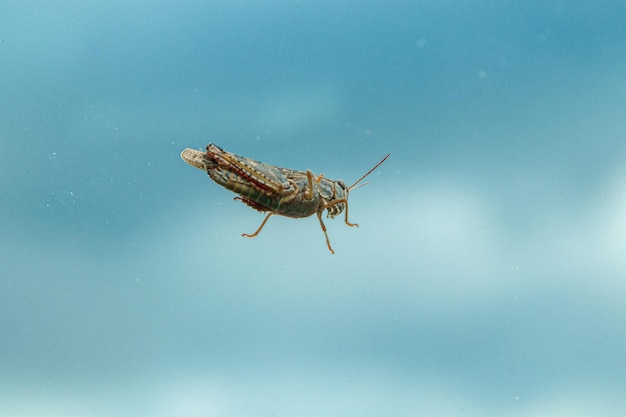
(338, 190)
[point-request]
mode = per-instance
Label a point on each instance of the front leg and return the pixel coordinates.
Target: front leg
(341, 201)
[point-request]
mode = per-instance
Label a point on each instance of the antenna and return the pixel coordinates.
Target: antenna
(368, 172)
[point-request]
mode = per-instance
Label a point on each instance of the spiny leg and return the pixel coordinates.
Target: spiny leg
(308, 193)
(260, 227)
(319, 216)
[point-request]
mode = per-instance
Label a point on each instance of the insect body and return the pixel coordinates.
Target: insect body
(272, 189)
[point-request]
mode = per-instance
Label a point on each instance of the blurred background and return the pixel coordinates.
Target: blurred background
(487, 276)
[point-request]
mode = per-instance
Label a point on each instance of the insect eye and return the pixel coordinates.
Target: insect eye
(342, 184)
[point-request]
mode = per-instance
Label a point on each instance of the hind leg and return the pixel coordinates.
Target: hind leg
(260, 227)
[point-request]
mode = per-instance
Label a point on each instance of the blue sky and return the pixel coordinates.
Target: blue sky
(486, 277)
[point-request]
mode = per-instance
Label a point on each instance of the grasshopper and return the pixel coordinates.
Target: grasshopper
(275, 190)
